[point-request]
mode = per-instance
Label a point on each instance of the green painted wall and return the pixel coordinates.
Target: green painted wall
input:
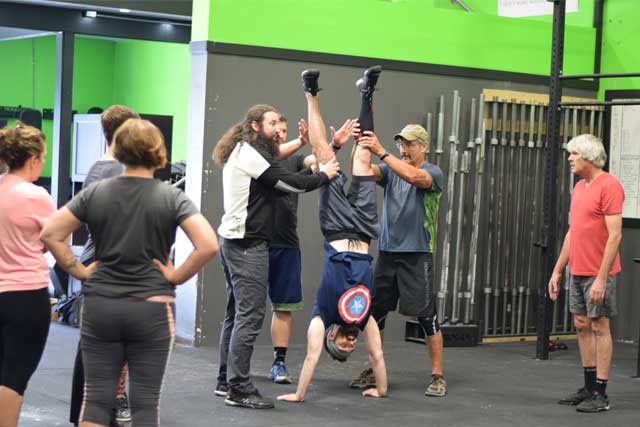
(153, 78)
(150, 77)
(408, 30)
(620, 41)
(29, 78)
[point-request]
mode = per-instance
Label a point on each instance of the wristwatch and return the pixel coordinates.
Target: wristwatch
(384, 156)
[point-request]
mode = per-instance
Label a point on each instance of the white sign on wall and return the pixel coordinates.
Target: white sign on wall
(624, 154)
(520, 8)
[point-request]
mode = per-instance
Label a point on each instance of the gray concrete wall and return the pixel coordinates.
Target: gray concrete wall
(233, 83)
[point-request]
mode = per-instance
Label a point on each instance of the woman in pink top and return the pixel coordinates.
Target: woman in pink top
(24, 275)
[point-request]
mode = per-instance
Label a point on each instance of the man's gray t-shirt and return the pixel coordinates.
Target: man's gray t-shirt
(409, 213)
(133, 221)
(102, 169)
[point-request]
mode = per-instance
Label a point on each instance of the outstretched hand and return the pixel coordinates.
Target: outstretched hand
(303, 130)
(341, 136)
(331, 168)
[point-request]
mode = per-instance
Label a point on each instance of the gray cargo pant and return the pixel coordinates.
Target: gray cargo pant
(246, 273)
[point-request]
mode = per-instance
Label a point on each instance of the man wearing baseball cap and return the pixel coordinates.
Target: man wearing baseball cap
(404, 270)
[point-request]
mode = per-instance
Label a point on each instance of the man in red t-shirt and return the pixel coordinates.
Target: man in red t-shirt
(591, 249)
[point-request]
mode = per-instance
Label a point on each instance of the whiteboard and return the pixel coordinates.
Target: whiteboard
(624, 154)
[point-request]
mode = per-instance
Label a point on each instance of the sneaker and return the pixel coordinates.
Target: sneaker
(252, 400)
(576, 397)
(310, 81)
(438, 386)
(123, 413)
(279, 374)
(594, 403)
(367, 83)
(364, 380)
(221, 390)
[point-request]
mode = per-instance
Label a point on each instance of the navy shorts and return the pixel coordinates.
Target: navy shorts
(285, 282)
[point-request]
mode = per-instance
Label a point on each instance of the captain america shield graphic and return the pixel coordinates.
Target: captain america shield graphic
(354, 304)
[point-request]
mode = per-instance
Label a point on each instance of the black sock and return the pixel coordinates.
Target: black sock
(365, 117)
(279, 353)
(601, 387)
(590, 378)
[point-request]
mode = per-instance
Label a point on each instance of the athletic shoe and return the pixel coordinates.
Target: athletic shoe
(221, 389)
(367, 83)
(438, 386)
(595, 403)
(364, 380)
(310, 81)
(252, 400)
(576, 397)
(279, 374)
(123, 413)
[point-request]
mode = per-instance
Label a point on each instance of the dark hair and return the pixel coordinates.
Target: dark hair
(241, 131)
(283, 119)
(18, 143)
(113, 117)
(139, 142)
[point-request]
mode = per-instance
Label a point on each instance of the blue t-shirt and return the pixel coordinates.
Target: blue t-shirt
(409, 213)
(344, 295)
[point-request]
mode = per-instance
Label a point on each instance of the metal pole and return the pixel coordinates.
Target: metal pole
(535, 261)
(508, 219)
(553, 131)
(600, 130)
(518, 178)
(457, 273)
(62, 120)
(527, 247)
(440, 137)
(490, 216)
(638, 360)
(469, 312)
(499, 212)
(453, 158)
(429, 120)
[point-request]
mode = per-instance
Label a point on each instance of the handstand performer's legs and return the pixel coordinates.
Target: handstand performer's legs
(367, 85)
(317, 130)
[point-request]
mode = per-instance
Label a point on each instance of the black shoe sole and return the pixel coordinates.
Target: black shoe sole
(230, 402)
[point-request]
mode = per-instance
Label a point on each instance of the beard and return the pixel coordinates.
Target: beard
(270, 144)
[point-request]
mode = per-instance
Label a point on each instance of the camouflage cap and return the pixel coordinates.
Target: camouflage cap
(413, 132)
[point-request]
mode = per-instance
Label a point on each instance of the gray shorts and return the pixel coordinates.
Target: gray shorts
(579, 287)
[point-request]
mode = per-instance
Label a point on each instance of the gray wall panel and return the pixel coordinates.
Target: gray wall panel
(235, 83)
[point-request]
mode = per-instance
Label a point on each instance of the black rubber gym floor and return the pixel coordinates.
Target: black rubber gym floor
(489, 385)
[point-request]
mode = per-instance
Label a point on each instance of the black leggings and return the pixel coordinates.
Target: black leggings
(115, 330)
(24, 325)
(366, 113)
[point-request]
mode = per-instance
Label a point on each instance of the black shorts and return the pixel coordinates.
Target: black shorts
(407, 278)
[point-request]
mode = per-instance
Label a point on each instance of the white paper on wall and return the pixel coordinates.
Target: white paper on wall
(624, 154)
(521, 8)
